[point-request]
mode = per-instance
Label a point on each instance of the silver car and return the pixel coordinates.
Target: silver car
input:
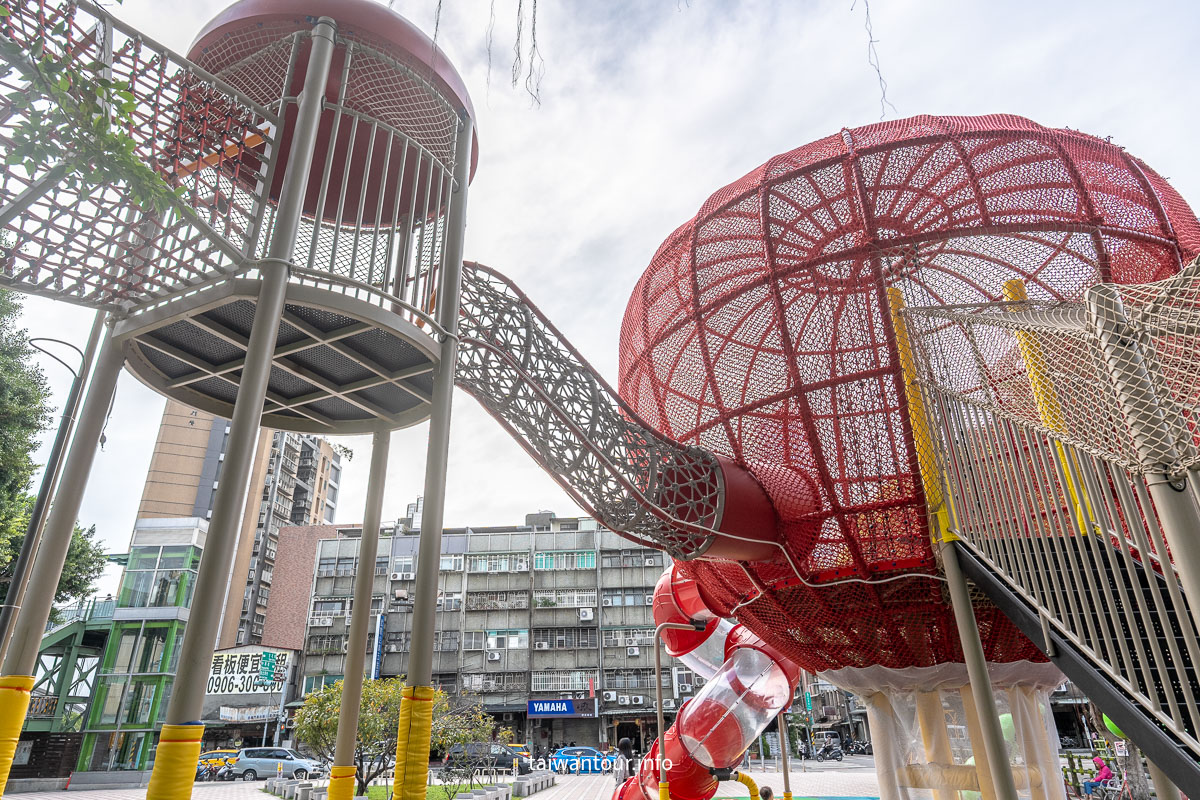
(263, 762)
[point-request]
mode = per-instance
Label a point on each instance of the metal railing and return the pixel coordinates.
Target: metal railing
(1067, 447)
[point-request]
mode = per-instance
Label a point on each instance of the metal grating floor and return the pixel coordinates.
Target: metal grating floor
(331, 373)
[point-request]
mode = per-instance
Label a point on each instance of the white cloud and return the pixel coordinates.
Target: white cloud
(647, 108)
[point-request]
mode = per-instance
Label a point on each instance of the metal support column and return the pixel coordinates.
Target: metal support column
(977, 674)
(1164, 789)
(179, 741)
(941, 509)
(30, 624)
(41, 505)
(785, 746)
(1157, 432)
(341, 785)
(412, 749)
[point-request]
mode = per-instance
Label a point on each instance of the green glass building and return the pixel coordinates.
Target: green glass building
(142, 652)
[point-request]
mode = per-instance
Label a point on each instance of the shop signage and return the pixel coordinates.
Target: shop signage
(247, 672)
(561, 708)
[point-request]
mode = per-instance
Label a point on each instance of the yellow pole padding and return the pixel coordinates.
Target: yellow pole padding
(412, 743)
(1045, 398)
(663, 792)
(960, 777)
(342, 783)
(175, 762)
(923, 440)
(14, 703)
(749, 783)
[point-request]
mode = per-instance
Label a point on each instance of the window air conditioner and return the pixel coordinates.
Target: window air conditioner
(630, 641)
(668, 703)
(610, 697)
(633, 651)
(585, 613)
(493, 656)
(649, 599)
(623, 700)
(637, 700)
(508, 716)
(395, 576)
(685, 688)
(606, 602)
(649, 562)
(541, 645)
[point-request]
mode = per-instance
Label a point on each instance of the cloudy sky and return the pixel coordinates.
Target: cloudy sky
(646, 109)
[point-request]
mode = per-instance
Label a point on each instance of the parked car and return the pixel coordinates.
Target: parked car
(263, 762)
(486, 755)
(218, 757)
(580, 761)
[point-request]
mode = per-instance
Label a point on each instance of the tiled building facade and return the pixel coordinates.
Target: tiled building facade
(553, 609)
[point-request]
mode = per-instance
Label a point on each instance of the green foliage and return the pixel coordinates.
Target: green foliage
(85, 558)
(378, 723)
(462, 721)
(75, 120)
(24, 409)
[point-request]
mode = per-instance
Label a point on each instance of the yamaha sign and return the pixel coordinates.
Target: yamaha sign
(562, 708)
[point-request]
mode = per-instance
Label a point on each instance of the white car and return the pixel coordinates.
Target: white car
(264, 762)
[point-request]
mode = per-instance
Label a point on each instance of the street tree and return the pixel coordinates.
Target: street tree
(378, 724)
(462, 721)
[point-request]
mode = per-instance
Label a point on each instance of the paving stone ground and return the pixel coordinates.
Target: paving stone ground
(848, 780)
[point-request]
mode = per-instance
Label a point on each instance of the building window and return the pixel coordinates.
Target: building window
(495, 601)
(449, 601)
(446, 681)
(634, 679)
(399, 640)
(624, 559)
(445, 641)
(575, 680)
(567, 526)
(628, 637)
(498, 562)
(508, 640)
(627, 597)
(495, 682)
(564, 598)
(565, 638)
(314, 683)
(325, 645)
(451, 563)
(474, 640)
(403, 564)
(565, 559)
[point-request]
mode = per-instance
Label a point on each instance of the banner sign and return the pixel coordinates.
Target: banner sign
(247, 673)
(561, 708)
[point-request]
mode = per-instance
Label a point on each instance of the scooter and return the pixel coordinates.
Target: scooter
(831, 751)
(856, 748)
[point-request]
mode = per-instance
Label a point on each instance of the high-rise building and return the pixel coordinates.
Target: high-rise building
(293, 481)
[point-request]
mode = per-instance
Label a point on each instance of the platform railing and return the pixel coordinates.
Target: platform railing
(1067, 444)
(209, 141)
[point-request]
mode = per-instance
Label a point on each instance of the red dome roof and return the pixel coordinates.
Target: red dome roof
(760, 332)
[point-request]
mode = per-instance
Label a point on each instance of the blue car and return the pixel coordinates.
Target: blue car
(580, 761)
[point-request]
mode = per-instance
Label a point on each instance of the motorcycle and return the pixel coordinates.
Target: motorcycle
(830, 750)
(856, 748)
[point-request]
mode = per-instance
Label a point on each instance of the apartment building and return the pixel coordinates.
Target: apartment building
(555, 609)
(294, 480)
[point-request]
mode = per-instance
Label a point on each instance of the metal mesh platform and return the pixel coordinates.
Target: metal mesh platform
(341, 364)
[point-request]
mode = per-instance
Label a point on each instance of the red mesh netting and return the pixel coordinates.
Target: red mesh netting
(760, 331)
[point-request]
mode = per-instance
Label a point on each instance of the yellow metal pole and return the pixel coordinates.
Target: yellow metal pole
(1045, 398)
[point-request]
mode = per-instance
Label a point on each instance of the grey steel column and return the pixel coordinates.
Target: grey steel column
(1157, 434)
(21, 658)
(420, 659)
(37, 517)
(360, 619)
(200, 636)
(1164, 789)
(977, 674)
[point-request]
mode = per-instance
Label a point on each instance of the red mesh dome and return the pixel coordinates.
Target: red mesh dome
(760, 331)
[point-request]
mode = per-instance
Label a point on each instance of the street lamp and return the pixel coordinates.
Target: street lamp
(691, 625)
(37, 517)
